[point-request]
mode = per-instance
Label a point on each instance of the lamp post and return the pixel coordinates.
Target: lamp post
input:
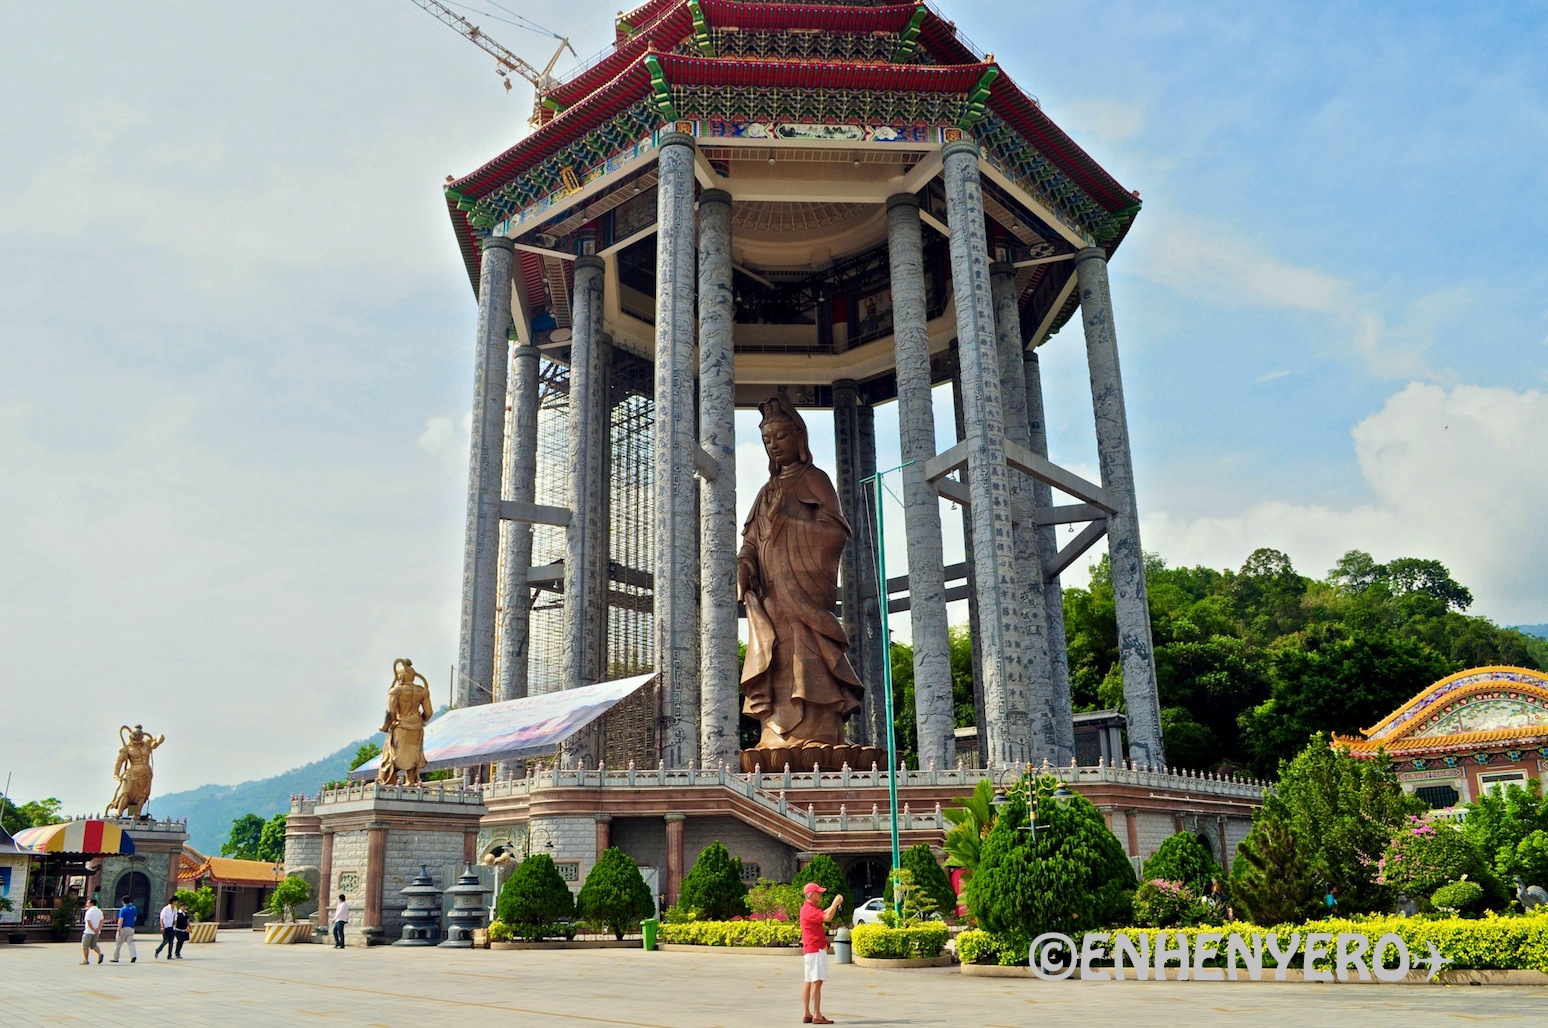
(886, 616)
(497, 859)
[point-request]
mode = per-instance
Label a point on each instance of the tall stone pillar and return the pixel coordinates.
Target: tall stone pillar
(988, 476)
(521, 486)
(1123, 538)
(604, 833)
(376, 871)
(921, 509)
(674, 857)
(585, 550)
(877, 646)
(857, 571)
(1042, 710)
(1048, 549)
(481, 545)
(719, 687)
(676, 499)
(325, 888)
(976, 659)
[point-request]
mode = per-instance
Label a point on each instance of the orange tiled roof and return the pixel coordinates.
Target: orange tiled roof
(226, 870)
(1404, 730)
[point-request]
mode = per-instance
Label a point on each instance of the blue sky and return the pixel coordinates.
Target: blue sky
(235, 333)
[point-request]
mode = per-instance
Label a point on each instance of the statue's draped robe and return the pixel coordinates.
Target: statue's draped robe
(797, 678)
(405, 748)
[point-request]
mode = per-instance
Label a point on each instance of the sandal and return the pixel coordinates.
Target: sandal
(821, 1020)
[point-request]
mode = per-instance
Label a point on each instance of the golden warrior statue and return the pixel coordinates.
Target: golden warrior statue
(408, 709)
(133, 771)
(797, 678)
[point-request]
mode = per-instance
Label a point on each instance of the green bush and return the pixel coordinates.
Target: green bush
(1461, 897)
(1530, 860)
(1426, 853)
(774, 900)
(1501, 819)
(1159, 903)
(499, 931)
(976, 946)
(615, 895)
(289, 894)
(714, 887)
(201, 902)
(928, 876)
(732, 933)
(1182, 858)
(1072, 876)
(534, 898)
(826, 873)
(883, 943)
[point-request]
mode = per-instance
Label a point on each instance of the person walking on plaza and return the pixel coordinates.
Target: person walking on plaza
(340, 919)
(168, 929)
(91, 927)
(127, 914)
(814, 944)
(180, 930)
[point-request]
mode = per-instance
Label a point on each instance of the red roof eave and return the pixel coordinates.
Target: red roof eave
(766, 74)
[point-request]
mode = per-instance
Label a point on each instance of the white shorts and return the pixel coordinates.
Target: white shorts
(816, 967)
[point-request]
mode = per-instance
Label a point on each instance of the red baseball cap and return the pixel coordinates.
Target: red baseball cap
(812, 887)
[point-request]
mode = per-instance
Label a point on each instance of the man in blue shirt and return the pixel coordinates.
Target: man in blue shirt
(127, 915)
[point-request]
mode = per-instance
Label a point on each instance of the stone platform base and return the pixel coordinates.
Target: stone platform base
(773, 759)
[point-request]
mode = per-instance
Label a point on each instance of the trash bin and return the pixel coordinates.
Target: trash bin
(843, 949)
(648, 929)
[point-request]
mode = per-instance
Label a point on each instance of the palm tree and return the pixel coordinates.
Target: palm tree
(970, 824)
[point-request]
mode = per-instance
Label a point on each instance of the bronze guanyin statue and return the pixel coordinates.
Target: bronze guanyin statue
(797, 679)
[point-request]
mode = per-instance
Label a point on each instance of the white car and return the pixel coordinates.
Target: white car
(870, 911)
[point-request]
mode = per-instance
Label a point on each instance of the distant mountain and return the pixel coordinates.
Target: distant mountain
(210, 809)
(1541, 631)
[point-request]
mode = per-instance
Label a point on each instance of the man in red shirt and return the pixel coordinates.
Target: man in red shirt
(814, 944)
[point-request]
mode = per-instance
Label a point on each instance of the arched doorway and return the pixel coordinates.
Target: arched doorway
(137, 886)
(867, 878)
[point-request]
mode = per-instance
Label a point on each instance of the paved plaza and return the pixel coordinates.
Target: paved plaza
(239, 981)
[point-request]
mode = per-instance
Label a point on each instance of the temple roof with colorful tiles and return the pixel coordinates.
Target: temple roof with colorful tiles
(874, 89)
(1476, 711)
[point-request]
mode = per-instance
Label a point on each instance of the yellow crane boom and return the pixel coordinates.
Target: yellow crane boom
(506, 62)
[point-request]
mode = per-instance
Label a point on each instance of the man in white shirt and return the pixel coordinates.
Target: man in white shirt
(91, 927)
(340, 919)
(168, 929)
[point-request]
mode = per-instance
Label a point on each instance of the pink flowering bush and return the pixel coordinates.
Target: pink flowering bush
(1160, 903)
(1425, 854)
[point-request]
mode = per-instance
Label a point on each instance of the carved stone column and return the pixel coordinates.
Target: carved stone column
(521, 486)
(999, 639)
(481, 544)
(719, 689)
(1041, 709)
(1135, 652)
(604, 833)
(857, 575)
(921, 508)
(1053, 592)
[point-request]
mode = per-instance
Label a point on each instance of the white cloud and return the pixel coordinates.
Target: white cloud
(1455, 474)
(1269, 376)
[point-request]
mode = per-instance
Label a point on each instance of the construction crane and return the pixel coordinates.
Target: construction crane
(506, 62)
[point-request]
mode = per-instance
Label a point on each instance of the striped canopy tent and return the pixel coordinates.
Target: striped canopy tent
(88, 836)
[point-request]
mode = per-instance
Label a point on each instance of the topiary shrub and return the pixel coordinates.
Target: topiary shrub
(1460, 897)
(878, 942)
(928, 877)
(535, 898)
(825, 872)
(200, 901)
(714, 889)
(288, 895)
(615, 895)
(732, 933)
(1159, 903)
(774, 901)
(1072, 876)
(1182, 858)
(1271, 880)
(1425, 854)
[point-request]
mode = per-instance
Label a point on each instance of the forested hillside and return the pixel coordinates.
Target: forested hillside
(1251, 663)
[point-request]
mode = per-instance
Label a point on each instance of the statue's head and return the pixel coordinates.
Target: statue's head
(784, 434)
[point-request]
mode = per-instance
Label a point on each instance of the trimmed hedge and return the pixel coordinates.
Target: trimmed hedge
(732, 933)
(882, 943)
(1490, 943)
